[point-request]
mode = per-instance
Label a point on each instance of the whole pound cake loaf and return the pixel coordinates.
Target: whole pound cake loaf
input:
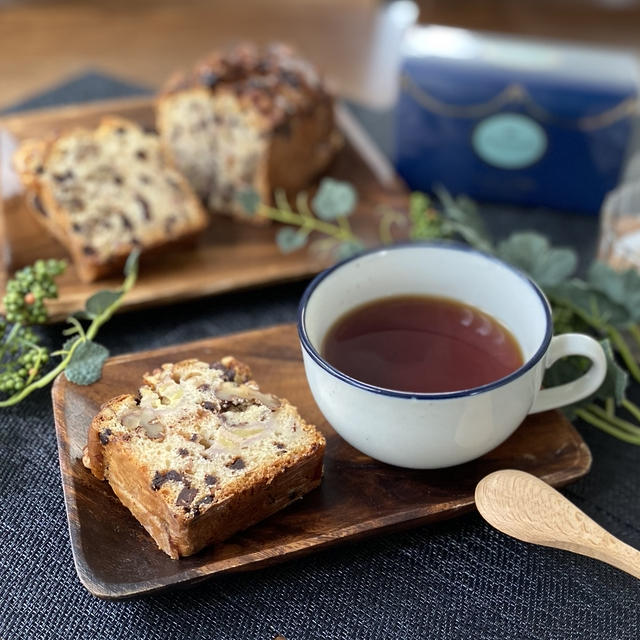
(202, 453)
(103, 192)
(248, 119)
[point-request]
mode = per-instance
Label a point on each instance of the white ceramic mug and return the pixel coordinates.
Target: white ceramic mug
(433, 430)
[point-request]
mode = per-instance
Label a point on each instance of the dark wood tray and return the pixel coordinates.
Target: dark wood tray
(115, 557)
(228, 255)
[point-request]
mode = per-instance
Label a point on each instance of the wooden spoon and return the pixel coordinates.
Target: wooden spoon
(527, 508)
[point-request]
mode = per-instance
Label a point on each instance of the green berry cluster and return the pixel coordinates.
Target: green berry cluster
(425, 223)
(29, 288)
(23, 358)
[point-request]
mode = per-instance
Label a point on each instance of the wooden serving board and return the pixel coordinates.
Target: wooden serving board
(115, 557)
(228, 255)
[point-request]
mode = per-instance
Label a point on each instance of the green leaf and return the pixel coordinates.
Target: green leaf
(532, 253)
(622, 288)
(470, 235)
(598, 307)
(249, 199)
(101, 301)
(348, 249)
(463, 218)
(290, 239)
(131, 265)
(616, 380)
(69, 343)
(85, 366)
(334, 199)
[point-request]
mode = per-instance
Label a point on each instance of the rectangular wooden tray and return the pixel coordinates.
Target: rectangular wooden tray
(359, 497)
(229, 255)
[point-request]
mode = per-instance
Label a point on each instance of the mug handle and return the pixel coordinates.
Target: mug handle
(572, 344)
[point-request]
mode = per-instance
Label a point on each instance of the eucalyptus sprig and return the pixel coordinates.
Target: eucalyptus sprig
(22, 357)
(327, 214)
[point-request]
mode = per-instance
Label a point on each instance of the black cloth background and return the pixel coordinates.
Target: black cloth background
(458, 579)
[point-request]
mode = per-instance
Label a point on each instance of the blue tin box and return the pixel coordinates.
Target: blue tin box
(516, 121)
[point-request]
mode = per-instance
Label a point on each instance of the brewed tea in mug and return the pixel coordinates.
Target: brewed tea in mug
(421, 344)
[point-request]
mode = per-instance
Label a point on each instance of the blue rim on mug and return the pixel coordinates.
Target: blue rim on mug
(315, 354)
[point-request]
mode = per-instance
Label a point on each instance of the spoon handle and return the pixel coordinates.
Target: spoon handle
(621, 555)
(544, 516)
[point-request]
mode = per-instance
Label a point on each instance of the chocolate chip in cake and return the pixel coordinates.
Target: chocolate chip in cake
(61, 177)
(194, 437)
(76, 227)
(228, 373)
(126, 223)
(201, 503)
(39, 169)
(144, 205)
(236, 464)
(262, 66)
(186, 496)
(283, 129)
(75, 204)
(290, 78)
(121, 130)
(170, 224)
(204, 387)
(174, 184)
(209, 78)
(209, 406)
(237, 404)
(37, 205)
(104, 436)
(279, 445)
(88, 250)
(167, 476)
(118, 179)
(210, 480)
(183, 452)
(141, 154)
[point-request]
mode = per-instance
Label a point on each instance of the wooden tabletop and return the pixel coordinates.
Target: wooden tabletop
(42, 42)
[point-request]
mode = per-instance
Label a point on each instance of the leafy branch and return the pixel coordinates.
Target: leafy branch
(328, 214)
(81, 358)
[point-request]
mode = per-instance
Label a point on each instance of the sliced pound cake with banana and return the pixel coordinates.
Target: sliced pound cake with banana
(201, 453)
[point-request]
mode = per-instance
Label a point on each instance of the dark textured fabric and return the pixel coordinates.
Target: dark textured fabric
(459, 579)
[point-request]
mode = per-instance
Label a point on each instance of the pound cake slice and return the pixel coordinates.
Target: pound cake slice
(201, 453)
(103, 192)
(248, 119)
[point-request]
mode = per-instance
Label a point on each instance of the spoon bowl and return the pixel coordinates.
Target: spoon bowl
(527, 508)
